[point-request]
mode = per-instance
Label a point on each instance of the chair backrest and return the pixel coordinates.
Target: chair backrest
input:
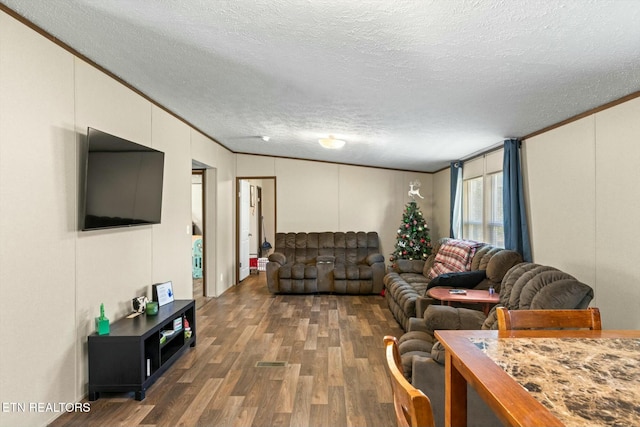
(528, 319)
(412, 406)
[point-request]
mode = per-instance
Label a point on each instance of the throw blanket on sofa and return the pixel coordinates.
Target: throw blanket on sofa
(454, 256)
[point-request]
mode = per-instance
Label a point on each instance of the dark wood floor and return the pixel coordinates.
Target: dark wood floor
(198, 293)
(334, 373)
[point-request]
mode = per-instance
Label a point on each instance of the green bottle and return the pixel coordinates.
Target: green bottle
(102, 323)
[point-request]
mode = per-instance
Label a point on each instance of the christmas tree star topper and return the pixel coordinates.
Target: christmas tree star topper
(414, 189)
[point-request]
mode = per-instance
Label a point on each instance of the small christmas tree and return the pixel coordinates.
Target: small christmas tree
(413, 241)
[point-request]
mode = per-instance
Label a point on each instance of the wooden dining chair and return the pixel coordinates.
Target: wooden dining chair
(547, 319)
(412, 406)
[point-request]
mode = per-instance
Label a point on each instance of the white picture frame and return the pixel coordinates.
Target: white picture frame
(163, 293)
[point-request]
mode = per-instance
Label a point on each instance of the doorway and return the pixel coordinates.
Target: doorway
(198, 235)
(255, 222)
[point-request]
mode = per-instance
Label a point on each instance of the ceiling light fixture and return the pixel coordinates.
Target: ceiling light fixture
(332, 143)
(265, 138)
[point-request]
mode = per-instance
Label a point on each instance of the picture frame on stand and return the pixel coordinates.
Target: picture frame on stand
(163, 293)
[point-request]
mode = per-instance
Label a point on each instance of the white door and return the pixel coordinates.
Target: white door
(244, 229)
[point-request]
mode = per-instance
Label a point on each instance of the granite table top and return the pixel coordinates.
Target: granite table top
(582, 381)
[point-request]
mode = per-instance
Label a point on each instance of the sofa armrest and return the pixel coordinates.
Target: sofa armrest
(417, 324)
(278, 257)
(422, 302)
(437, 317)
(373, 258)
(408, 266)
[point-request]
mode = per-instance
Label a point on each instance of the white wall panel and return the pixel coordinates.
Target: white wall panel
(617, 133)
(172, 237)
(248, 165)
(307, 196)
(559, 169)
(226, 219)
(365, 205)
(441, 204)
(113, 265)
(220, 210)
(38, 217)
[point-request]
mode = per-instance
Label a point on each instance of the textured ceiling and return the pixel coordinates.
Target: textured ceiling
(408, 84)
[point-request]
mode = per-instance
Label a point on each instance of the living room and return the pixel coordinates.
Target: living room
(579, 181)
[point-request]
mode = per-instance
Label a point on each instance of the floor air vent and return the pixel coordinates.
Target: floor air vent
(265, 364)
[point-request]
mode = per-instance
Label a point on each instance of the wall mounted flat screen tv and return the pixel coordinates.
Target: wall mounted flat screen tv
(123, 183)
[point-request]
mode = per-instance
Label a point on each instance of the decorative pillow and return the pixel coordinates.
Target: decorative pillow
(464, 279)
(454, 256)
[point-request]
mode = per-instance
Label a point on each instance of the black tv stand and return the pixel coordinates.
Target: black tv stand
(132, 357)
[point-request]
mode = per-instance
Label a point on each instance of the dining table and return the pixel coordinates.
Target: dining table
(544, 377)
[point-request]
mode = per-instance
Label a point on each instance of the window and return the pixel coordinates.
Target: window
(472, 210)
(495, 224)
(482, 218)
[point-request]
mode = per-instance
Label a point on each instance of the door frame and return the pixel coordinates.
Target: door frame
(202, 173)
(275, 215)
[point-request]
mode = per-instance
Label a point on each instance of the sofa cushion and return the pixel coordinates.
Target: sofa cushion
(416, 345)
(414, 278)
(416, 335)
(407, 266)
(445, 317)
(373, 258)
(453, 255)
(298, 271)
(561, 294)
(352, 272)
(500, 263)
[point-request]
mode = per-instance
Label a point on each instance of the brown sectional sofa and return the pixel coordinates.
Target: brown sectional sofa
(406, 285)
(328, 262)
(524, 286)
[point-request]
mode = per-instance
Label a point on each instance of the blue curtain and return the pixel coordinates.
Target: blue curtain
(516, 231)
(455, 213)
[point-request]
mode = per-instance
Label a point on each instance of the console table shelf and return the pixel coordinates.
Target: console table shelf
(131, 357)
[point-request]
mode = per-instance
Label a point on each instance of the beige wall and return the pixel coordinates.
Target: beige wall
(617, 136)
(220, 219)
(582, 190)
(441, 204)
(38, 223)
(53, 277)
(560, 198)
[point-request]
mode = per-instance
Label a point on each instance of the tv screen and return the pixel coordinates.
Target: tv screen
(123, 182)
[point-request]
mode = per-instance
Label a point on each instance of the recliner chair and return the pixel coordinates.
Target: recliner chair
(524, 286)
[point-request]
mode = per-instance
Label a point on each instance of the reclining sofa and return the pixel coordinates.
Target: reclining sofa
(329, 262)
(406, 283)
(525, 286)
